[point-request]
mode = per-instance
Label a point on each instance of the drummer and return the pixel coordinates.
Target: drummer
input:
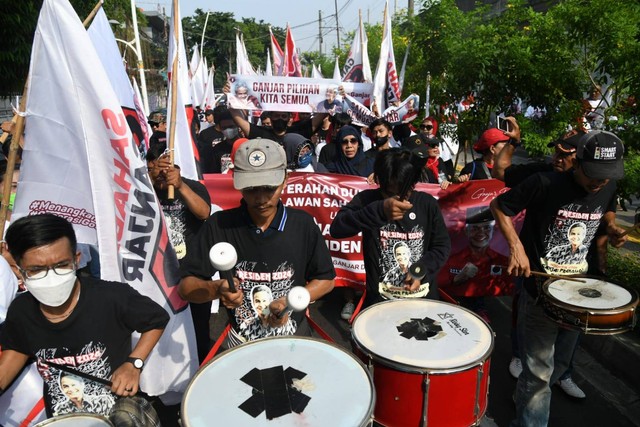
(554, 202)
(396, 234)
(278, 248)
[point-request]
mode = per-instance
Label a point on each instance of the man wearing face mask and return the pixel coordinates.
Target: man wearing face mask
(70, 323)
(213, 136)
(381, 137)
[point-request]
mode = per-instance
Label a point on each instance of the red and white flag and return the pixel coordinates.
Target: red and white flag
(80, 162)
(278, 56)
(104, 41)
(186, 154)
(357, 68)
(142, 114)
(386, 86)
(292, 61)
(198, 77)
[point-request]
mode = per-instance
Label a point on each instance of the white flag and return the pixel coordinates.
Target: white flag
(106, 47)
(336, 72)
(243, 66)
(268, 70)
(357, 68)
(142, 114)
(385, 83)
(210, 92)
(315, 72)
(185, 154)
(80, 163)
(198, 77)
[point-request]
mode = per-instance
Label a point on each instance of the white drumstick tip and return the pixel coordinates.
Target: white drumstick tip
(298, 298)
(223, 256)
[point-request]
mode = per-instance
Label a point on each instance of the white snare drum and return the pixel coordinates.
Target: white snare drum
(281, 381)
(594, 306)
(430, 362)
(76, 420)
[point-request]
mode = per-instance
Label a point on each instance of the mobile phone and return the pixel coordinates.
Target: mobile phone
(503, 124)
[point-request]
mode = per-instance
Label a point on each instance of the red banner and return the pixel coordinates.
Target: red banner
(322, 195)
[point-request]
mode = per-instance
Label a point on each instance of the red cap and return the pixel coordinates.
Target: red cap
(489, 138)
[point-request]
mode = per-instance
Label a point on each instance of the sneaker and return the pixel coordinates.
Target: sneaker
(568, 386)
(347, 311)
(515, 367)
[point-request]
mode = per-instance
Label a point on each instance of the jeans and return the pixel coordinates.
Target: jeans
(543, 346)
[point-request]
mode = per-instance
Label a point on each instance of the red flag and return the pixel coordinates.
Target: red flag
(292, 61)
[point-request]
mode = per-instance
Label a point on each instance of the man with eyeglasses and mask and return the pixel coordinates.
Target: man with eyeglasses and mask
(224, 129)
(277, 247)
(74, 324)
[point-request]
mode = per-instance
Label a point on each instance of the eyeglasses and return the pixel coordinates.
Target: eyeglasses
(427, 127)
(276, 116)
(352, 141)
(36, 273)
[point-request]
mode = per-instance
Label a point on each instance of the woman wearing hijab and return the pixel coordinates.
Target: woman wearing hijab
(301, 156)
(350, 158)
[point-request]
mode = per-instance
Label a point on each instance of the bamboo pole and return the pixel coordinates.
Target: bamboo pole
(174, 93)
(91, 15)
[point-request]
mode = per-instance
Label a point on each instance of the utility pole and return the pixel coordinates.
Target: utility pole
(337, 25)
(410, 8)
(320, 32)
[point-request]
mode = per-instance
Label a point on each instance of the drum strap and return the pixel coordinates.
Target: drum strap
(37, 408)
(217, 345)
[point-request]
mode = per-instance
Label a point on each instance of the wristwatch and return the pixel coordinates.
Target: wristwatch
(136, 362)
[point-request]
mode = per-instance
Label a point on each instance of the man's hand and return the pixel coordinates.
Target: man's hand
(468, 271)
(411, 284)
(518, 261)
(230, 299)
(515, 128)
(395, 209)
(615, 234)
(125, 380)
(275, 308)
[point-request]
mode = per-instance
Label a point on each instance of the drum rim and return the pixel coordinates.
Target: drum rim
(630, 306)
(372, 403)
(412, 369)
(75, 415)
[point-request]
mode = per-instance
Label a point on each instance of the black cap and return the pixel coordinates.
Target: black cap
(569, 141)
(600, 154)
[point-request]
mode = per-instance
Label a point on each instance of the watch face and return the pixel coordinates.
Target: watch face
(138, 363)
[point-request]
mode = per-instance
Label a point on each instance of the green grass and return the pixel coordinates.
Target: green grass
(624, 267)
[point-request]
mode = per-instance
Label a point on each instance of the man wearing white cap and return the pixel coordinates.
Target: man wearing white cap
(278, 247)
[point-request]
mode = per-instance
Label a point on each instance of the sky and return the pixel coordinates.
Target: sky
(302, 13)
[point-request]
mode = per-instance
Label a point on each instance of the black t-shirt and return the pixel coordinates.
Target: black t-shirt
(221, 157)
(421, 235)
(158, 138)
(515, 174)
(555, 203)
(208, 139)
(302, 127)
(181, 223)
(94, 339)
(289, 253)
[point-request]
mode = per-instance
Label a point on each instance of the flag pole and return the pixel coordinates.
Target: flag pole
(136, 35)
(206, 20)
(174, 93)
(16, 142)
(91, 15)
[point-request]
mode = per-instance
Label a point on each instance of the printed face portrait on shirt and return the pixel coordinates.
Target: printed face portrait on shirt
(576, 234)
(261, 297)
(72, 387)
(402, 254)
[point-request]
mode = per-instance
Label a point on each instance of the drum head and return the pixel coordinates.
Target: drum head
(423, 335)
(594, 293)
(283, 381)
(76, 420)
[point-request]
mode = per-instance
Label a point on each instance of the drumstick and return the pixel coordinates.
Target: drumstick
(223, 257)
(298, 299)
(555, 276)
(630, 230)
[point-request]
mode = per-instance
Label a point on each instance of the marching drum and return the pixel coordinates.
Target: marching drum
(281, 381)
(76, 420)
(430, 362)
(595, 306)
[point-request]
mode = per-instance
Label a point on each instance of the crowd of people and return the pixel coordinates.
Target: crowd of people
(279, 247)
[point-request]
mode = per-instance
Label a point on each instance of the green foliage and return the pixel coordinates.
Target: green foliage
(624, 267)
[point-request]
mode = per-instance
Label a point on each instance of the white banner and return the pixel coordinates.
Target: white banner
(80, 149)
(356, 67)
(386, 84)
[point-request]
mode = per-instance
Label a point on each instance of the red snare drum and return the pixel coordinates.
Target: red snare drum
(430, 362)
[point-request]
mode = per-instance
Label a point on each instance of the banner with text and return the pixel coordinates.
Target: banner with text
(322, 195)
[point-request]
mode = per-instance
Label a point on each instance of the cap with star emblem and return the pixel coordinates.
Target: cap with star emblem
(258, 163)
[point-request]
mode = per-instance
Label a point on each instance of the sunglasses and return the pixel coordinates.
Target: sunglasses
(427, 127)
(352, 141)
(283, 116)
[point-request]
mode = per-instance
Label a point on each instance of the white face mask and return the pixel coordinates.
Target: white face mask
(52, 290)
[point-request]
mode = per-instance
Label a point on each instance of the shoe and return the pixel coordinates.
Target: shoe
(568, 386)
(515, 367)
(347, 311)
